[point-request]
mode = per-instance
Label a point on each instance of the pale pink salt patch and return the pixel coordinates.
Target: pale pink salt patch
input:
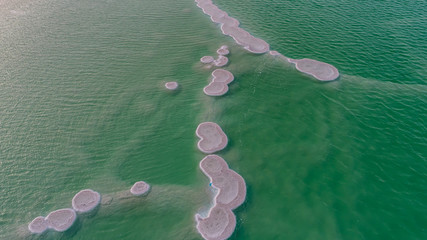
(320, 70)
(223, 51)
(61, 220)
(212, 138)
(171, 85)
(140, 188)
(218, 86)
(38, 225)
(221, 61)
(218, 225)
(86, 200)
(207, 59)
(232, 187)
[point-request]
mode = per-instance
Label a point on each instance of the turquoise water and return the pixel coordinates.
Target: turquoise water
(83, 105)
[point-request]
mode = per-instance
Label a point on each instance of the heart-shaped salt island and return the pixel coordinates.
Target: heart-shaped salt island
(212, 138)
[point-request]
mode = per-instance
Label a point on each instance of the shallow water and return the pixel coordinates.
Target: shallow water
(83, 105)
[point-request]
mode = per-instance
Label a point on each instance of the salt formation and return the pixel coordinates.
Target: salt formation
(221, 61)
(223, 50)
(86, 200)
(61, 220)
(171, 85)
(219, 84)
(230, 27)
(207, 59)
(220, 222)
(212, 138)
(140, 188)
(38, 225)
(320, 70)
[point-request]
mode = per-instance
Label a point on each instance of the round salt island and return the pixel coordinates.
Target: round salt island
(86, 200)
(61, 220)
(206, 59)
(212, 138)
(223, 51)
(38, 225)
(140, 188)
(221, 61)
(219, 224)
(171, 85)
(319, 70)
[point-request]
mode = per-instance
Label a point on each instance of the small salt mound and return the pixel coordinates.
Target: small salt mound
(38, 225)
(61, 220)
(207, 59)
(86, 200)
(171, 85)
(221, 61)
(320, 70)
(221, 75)
(219, 224)
(140, 188)
(212, 138)
(222, 51)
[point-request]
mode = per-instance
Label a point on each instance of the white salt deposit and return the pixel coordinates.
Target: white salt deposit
(320, 70)
(86, 200)
(38, 225)
(219, 83)
(221, 61)
(207, 59)
(230, 27)
(171, 85)
(218, 225)
(140, 188)
(61, 220)
(221, 221)
(232, 187)
(212, 138)
(222, 51)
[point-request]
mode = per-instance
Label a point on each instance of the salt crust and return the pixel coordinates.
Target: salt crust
(140, 188)
(222, 51)
(61, 220)
(221, 222)
(212, 138)
(230, 27)
(171, 85)
(320, 70)
(207, 59)
(221, 61)
(38, 225)
(86, 200)
(219, 84)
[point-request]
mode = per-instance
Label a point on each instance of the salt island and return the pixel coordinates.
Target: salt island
(171, 85)
(219, 83)
(221, 221)
(140, 188)
(212, 138)
(320, 70)
(38, 225)
(61, 220)
(85, 201)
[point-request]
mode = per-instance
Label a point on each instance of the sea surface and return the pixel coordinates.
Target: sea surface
(83, 105)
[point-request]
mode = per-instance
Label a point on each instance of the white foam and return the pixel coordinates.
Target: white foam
(86, 200)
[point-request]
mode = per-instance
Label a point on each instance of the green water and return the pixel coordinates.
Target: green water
(82, 105)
